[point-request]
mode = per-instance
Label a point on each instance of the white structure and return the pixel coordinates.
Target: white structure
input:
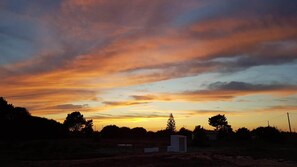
(151, 149)
(178, 143)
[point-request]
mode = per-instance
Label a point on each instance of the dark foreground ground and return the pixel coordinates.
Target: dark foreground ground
(161, 160)
(92, 153)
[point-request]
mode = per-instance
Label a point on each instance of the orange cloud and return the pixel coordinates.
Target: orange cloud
(106, 45)
(220, 91)
(126, 103)
(282, 108)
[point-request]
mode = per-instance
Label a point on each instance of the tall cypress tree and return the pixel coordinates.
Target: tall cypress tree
(171, 123)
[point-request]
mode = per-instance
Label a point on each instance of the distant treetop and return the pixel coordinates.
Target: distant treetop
(171, 123)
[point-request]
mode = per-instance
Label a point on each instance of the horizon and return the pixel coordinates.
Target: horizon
(132, 63)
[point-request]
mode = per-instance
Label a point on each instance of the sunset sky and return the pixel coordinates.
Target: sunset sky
(133, 62)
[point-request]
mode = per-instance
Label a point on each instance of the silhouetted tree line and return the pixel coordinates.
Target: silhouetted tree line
(224, 132)
(199, 136)
(113, 131)
(18, 123)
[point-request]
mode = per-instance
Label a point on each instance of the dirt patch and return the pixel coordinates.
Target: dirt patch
(162, 159)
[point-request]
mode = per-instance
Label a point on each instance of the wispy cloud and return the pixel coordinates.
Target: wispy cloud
(280, 109)
(218, 91)
(221, 91)
(122, 103)
(128, 116)
(68, 51)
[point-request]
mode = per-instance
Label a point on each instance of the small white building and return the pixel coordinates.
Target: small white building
(178, 143)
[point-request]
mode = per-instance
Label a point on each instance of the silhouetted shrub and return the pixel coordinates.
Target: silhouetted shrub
(199, 136)
(150, 134)
(110, 131)
(270, 134)
(225, 133)
(243, 134)
(138, 132)
(125, 132)
(164, 133)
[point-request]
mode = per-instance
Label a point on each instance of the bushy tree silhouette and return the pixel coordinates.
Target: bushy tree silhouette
(185, 132)
(171, 124)
(9, 112)
(110, 131)
(138, 132)
(199, 136)
(5, 109)
(163, 133)
(76, 122)
(270, 134)
(113, 131)
(243, 134)
(124, 132)
(88, 129)
(224, 131)
(218, 121)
